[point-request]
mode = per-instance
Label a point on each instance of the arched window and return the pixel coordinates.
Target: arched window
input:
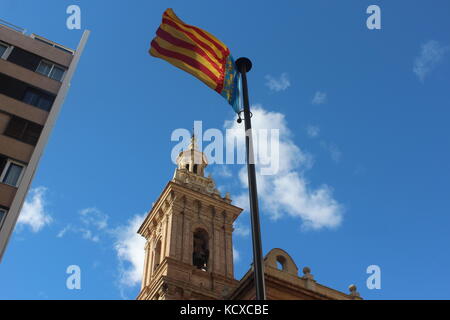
(187, 167)
(200, 254)
(157, 256)
(281, 263)
(195, 169)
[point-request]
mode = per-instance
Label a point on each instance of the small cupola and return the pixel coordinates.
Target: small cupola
(192, 159)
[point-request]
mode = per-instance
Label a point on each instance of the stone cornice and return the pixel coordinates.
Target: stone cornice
(219, 204)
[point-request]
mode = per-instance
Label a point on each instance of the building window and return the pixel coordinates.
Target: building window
(51, 70)
(38, 99)
(3, 213)
(12, 173)
(24, 58)
(157, 255)
(3, 49)
(44, 68)
(23, 130)
(200, 255)
(22, 91)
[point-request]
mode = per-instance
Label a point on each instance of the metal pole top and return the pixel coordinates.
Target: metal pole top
(244, 64)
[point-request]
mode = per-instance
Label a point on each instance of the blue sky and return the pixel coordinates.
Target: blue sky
(363, 114)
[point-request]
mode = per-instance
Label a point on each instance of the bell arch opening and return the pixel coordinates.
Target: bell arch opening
(200, 254)
(281, 263)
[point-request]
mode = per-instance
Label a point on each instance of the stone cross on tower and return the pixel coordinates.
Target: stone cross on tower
(189, 248)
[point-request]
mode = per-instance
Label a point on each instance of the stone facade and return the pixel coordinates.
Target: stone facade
(283, 282)
(189, 248)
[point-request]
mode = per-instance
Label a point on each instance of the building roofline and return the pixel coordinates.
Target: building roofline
(13, 27)
(52, 43)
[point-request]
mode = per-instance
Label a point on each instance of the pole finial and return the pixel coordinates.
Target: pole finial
(244, 64)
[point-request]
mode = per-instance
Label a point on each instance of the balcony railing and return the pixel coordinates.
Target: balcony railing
(51, 43)
(12, 26)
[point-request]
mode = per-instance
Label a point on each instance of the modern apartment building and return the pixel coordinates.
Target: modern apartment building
(35, 75)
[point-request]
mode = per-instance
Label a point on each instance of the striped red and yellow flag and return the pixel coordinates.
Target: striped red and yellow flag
(199, 53)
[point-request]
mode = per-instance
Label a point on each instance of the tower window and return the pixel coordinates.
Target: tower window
(157, 257)
(187, 167)
(200, 255)
(195, 168)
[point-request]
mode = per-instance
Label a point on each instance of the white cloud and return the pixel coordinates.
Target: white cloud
(33, 213)
(336, 153)
(236, 255)
(221, 170)
(241, 200)
(241, 229)
(86, 234)
(127, 243)
(288, 193)
(312, 131)
(431, 54)
(129, 247)
(93, 222)
(63, 231)
(319, 98)
(333, 149)
(94, 217)
(317, 208)
(278, 84)
(89, 235)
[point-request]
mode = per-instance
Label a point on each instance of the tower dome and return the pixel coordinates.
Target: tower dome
(192, 159)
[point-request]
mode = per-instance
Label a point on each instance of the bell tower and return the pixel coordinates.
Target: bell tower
(189, 248)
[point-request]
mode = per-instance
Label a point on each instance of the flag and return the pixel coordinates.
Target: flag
(199, 53)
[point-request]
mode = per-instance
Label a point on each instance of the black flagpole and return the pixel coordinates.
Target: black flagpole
(244, 65)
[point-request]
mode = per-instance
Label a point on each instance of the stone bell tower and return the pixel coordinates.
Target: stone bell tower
(189, 248)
